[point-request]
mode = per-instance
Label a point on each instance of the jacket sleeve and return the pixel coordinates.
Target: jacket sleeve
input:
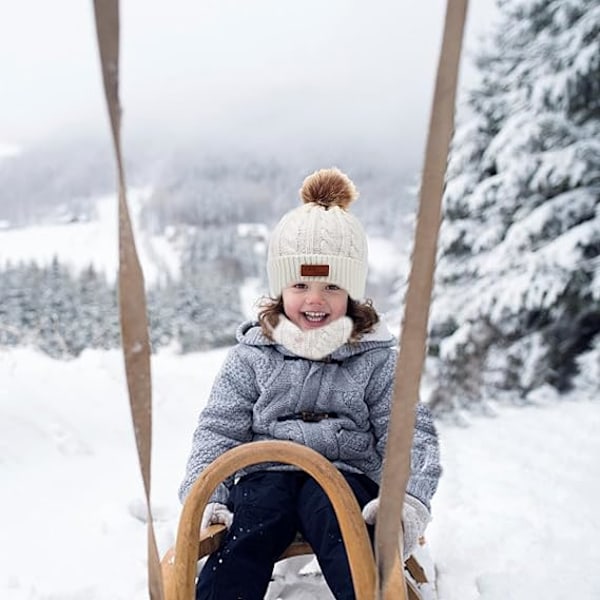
(379, 397)
(225, 422)
(425, 457)
(425, 468)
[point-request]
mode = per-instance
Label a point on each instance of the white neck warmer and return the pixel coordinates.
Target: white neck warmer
(314, 344)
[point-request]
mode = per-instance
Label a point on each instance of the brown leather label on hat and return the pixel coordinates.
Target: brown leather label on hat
(314, 270)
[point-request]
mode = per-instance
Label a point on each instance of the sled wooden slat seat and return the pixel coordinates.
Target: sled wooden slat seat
(212, 538)
(179, 563)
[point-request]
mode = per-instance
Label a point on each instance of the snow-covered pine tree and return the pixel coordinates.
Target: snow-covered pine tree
(57, 311)
(97, 323)
(517, 296)
(14, 305)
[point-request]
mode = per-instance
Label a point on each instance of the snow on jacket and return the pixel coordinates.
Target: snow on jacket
(261, 384)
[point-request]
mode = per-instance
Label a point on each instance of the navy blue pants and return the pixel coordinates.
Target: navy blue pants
(269, 508)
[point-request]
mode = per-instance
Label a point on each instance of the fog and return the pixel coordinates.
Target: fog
(252, 73)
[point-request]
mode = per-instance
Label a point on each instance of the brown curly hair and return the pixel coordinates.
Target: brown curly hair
(363, 315)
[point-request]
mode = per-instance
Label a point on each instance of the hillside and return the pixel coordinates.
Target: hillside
(515, 515)
(79, 244)
(201, 235)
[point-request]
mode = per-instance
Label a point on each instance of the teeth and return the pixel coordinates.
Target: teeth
(315, 316)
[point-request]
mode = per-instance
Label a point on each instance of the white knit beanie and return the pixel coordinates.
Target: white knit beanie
(320, 240)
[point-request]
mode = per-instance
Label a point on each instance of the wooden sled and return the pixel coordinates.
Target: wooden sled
(179, 563)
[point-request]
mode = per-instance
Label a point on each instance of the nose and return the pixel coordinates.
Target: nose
(314, 296)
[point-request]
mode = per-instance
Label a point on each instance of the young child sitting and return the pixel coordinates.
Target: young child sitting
(317, 368)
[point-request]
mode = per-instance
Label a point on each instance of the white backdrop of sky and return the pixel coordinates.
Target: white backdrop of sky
(273, 69)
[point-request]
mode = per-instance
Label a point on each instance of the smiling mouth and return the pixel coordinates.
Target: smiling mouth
(315, 317)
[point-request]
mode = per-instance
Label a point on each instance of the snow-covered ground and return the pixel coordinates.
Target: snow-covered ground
(516, 516)
(79, 245)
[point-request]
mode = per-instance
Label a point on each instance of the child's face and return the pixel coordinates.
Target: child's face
(314, 304)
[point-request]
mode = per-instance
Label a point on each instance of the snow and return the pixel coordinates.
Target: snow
(515, 516)
(516, 513)
(79, 245)
(384, 259)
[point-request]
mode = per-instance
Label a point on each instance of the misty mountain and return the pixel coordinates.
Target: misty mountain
(201, 231)
(55, 182)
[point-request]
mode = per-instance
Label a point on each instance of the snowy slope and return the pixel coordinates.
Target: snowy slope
(515, 516)
(80, 245)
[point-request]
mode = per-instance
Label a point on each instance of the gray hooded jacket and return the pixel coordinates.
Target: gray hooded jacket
(261, 386)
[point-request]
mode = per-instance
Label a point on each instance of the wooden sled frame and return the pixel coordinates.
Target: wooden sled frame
(179, 563)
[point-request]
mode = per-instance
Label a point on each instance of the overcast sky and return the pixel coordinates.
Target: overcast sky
(273, 69)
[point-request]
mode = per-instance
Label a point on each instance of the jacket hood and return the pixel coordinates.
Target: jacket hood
(250, 334)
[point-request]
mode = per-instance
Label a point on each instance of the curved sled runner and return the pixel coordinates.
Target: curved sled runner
(179, 563)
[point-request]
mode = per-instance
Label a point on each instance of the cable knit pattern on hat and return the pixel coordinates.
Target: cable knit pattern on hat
(320, 232)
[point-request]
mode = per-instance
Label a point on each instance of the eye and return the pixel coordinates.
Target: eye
(333, 288)
(299, 286)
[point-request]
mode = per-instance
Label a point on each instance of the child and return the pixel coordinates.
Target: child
(317, 369)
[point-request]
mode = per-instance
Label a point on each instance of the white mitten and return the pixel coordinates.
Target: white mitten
(215, 512)
(313, 344)
(415, 517)
(369, 511)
